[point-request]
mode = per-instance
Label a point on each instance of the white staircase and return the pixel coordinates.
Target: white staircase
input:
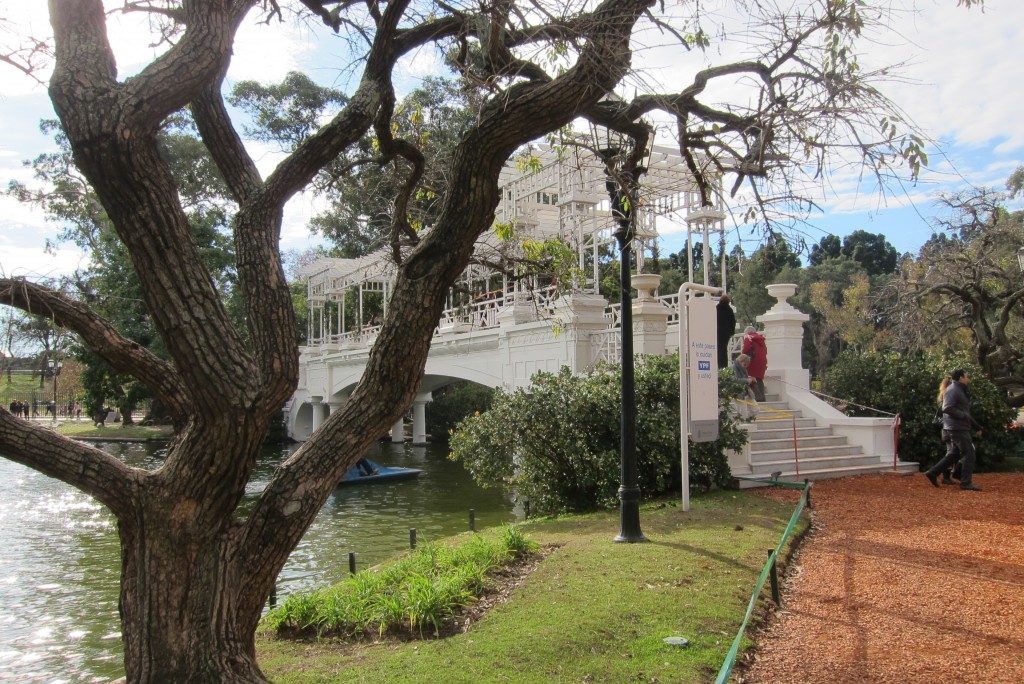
(796, 448)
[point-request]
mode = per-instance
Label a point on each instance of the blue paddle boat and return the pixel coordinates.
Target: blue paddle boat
(365, 471)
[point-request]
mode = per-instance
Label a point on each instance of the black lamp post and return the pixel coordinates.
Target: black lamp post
(55, 367)
(621, 187)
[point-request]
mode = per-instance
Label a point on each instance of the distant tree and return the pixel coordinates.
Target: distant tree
(968, 286)
(773, 262)
(872, 251)
(829, 247)
(822, 295)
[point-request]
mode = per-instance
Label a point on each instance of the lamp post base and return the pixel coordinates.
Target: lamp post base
(629, 516)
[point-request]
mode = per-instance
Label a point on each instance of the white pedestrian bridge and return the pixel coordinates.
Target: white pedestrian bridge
(500, 329)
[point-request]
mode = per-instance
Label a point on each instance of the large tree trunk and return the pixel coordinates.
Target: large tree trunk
(196, 573)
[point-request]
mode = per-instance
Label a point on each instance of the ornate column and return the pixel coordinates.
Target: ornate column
(419, 418)
(650, 316)
(580, 314)
(398, 431)
(317, 403)
(784, 335)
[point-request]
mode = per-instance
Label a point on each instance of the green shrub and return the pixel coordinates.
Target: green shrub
(453, 403)
(556, 443)
(908, 385)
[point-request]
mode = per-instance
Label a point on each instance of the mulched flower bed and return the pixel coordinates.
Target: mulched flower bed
(901, 582)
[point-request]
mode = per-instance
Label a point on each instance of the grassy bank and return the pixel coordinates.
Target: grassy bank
(591, 611)
(85, 430)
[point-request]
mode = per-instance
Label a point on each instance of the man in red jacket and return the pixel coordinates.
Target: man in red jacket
(754, 346)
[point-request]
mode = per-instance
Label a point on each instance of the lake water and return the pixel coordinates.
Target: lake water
(59, 552)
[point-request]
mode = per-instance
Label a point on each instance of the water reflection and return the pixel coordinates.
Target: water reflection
(59, 565)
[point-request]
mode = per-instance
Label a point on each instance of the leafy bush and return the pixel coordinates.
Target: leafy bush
(908, 385)
(557, 442)
(453, 403)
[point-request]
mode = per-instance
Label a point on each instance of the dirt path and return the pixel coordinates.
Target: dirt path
(902, 582)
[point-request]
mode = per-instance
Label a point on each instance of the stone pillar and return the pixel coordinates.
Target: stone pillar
(398, 431)
(579, 315)
(784, 336)
(419, 419)
(333, 405)
(317, 403)
(518, 312)
(650, 316)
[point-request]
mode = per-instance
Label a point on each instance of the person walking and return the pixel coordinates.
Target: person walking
(957, 424)
(953, 471)
(756, 348)
(726, 329)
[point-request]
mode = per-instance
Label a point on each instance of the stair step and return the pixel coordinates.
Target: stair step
(764, 433)
(786, 451)
(772, 419)
(802, 441)
(815, 462)
(811, 473)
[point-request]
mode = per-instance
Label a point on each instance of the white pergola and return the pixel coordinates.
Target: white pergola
(558, 194)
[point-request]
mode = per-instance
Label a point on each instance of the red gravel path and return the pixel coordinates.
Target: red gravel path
(901, 582)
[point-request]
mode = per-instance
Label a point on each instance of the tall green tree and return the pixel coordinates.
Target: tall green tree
(196, 569)
(772, 262)
(967, 288)
(871, 250)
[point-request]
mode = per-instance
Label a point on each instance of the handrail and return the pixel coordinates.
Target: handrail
(769, 568)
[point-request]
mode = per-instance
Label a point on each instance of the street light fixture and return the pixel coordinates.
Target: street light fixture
(623, 171)
(55, 367)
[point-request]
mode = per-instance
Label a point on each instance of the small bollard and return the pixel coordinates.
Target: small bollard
(352, 563)
(773, 576)
(412, 538)
(273, 596)
(472, 520)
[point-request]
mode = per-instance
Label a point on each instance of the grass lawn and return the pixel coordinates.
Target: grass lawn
(85, 430)
(592, 610)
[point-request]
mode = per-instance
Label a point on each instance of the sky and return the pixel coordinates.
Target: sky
(959, 84)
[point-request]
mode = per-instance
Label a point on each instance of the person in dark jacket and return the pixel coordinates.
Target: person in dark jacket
(726, 329)
(756, 348)
(957, 424)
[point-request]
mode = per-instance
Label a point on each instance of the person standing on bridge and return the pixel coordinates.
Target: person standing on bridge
(755, 347)
(726, 329)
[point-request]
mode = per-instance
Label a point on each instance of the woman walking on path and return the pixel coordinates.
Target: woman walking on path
(867, 596)
(957, 424)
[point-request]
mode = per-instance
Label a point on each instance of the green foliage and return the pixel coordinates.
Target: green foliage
(872, 251)
(774, 262)
(557, 442)
(908, 385)
(419, 591)
(452, 404)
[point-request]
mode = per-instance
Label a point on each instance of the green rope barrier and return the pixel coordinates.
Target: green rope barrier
(730, 658)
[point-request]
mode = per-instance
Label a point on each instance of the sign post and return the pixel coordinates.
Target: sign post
(698, 373)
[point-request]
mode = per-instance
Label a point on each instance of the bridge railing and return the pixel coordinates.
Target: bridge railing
(483, 312)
